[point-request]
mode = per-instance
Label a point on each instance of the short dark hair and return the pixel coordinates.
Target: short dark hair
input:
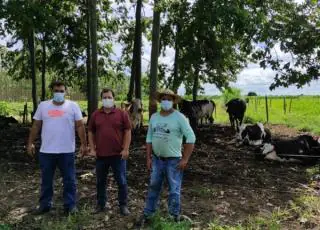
(57, 83)
(106, 90)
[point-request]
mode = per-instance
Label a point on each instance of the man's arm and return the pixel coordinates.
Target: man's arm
(127, 139)
(33, 135)
(82, 135)
(190, 140)
(92, 144)
(126, 144)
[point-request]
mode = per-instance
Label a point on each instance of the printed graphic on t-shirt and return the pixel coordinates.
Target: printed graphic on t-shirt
(56, 113)
(161, 131)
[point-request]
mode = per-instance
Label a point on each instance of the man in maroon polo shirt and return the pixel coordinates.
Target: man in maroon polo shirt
(109, 140)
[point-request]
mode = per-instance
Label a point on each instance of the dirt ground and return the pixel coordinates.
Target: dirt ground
(224, 181)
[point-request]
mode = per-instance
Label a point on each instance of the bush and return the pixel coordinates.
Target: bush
(252, 94)
(4, 109)
(231, 93)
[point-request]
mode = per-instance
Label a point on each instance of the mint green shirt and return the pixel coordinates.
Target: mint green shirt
(165, 134)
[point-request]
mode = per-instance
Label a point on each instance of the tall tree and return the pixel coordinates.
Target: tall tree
(43, 68)
(88, 60)
(135, 77)
(94, 54)
(137, 50)
(154, 58)
(32, 57)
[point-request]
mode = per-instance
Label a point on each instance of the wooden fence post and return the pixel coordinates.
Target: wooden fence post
(290, 105)
(267, 109)
(284, 105)
(255, 102)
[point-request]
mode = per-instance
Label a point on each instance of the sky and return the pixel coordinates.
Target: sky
(251, 78)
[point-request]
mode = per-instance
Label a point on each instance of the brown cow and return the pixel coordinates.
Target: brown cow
(135, 111)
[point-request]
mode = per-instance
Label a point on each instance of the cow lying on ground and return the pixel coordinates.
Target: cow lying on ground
(236, 109)
(254, 135)
(199, 110)
(7, 121)
(135, 111)
(302, 148)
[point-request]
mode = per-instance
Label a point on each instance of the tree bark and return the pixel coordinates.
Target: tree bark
(195, 84)
(132, 80)
(137, 53)
(33, 69)
(94, 70)
(176, 81)
(154, 59)
(43, 69)
(88, 61)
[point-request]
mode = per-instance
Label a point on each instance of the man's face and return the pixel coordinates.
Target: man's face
(107, 95)
(59, 89)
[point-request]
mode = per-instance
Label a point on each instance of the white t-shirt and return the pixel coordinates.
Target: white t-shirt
(58, 126)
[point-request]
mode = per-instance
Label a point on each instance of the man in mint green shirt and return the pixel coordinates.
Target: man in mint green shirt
(165, 156)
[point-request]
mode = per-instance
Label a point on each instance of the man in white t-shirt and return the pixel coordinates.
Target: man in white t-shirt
(58, 119)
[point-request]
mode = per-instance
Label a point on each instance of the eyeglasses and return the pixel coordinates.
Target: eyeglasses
(58, 91)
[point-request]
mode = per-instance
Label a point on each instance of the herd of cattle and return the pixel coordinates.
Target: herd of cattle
(304, 148)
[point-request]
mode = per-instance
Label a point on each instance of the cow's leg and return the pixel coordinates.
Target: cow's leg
(211, 120)
(231, 120)
(237, 125)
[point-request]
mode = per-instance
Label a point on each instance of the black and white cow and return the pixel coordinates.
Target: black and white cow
(199, 110)
(300, 149)
(254, 135)
(7, 121)
(236, 109)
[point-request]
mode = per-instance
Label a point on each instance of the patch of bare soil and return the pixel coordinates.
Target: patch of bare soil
(224, 181)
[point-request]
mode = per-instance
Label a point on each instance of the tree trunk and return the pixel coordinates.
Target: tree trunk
(94, 70)
(43, 69)
(195, 84)
(154, 59)
(88, 62)
(176, 81)
(132, 80)
(33, 70)
(137, 53)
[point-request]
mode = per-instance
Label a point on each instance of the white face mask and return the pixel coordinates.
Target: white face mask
(166, 105)
(108, 103)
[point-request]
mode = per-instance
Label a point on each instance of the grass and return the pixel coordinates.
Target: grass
(302, 112)
(161, 223)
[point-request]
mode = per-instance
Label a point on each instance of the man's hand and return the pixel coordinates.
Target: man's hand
(149, 163)
(124, 154)
(31, 150)
(83, 150)
(183, 164)
(92, 151)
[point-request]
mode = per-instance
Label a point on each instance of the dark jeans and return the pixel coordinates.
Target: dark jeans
(119, 172)
(66, 165)
(164, 169)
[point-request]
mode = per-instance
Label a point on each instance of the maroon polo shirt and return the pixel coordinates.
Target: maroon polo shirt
(108, 129)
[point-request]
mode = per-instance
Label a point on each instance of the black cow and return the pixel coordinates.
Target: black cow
(296, 149)
(236, 109)
(198, 110)
(254, 135)
(6, 121)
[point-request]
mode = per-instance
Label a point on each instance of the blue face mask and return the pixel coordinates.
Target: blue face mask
(166, 105)
(58, 97)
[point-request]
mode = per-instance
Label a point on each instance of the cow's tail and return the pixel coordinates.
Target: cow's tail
(214, 108)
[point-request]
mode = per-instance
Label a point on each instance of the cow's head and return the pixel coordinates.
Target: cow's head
(135, 111)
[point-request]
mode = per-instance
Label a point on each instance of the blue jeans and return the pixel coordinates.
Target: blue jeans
(162, 169)
(119, 172)
(66, 165)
